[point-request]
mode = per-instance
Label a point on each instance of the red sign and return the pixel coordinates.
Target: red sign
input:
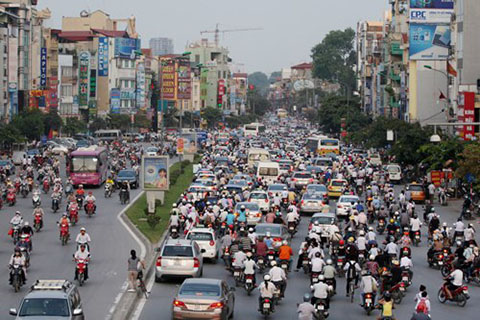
(436, 176)
(221, 87)
(184, 81)
(167, 81)
(468, 114)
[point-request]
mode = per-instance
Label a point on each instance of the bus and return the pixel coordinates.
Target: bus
(253, 129)
(282, 113)
(323, 145)
(88, 166)
(256, 155)
(108, 135)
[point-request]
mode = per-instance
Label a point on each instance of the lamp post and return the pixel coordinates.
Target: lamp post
(448, 85)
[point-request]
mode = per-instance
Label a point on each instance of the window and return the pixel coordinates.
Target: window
(177, 251)
(67, 71)
(84, 164)
(66, 90)
(44, 307)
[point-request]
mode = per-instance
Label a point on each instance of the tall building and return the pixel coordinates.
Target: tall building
(161, 46)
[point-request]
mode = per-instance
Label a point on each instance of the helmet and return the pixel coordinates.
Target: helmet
(174, 205)
(268, 234)
(249, 254)
(316, 222)
(90, 193)
(395, 262)
(372, 257)
(17, 212)
(392, 221)
(370, 228)
(444, 224)
(82, 229)
(242, 207)
(329, 261)
(80, 185)
(341, 242)
(362, 233)
(387, 294)
(266, 277)
(317, 254)
(26, 223)
(250, 229)
(306, 297)
(321, 277)
(285, 242)
(350, 240)
(274, 263)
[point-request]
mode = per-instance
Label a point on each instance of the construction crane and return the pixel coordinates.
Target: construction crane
(217, 32)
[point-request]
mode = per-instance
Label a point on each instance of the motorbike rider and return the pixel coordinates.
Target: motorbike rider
(285, 253)
(18, 258)
(278, 277)
(351, 268)
(455, 282)
(387, 306)
(368, 284)
(329, 273)
(459, 228)
(90, 198)
(17, 220)
(39, 211)
(83, 238)
(305, 310)
(56, 195)
(239, 258)
(242, 215)
(321, 292)
(249, 267)
(406, 264)
(82, 254)
(267, 289)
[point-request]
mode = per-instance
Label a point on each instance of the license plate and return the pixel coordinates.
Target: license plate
(260, 261)
(177, 263)
(284, 266)
(195, 307)
(405, 278)
(266, 305)
(339, 264)
(320, 307)
(236, 274)
(440, 263)
(291, 228)
(248, 281)
(368, 300)
(270, 257)
(227, 253)
(174, 230)
(315, 280)
(417, 237)
(305, 262)
(402, 289)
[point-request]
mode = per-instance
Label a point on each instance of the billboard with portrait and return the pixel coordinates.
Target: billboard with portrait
(155, 174)
(431, 4)
(429, 41)
(125, 46)
(189, 142)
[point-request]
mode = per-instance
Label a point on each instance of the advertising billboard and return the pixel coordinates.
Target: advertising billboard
(115, 100)
(431, 4)
(430, 15)
(183, 80)
(83, 73)
(141, 85)
(168, 80)
(155, 175)
(189, 142)
(468, 114)
(125, 46)
(102, 56)
(180, 146)
(43, 67)
(429, 41)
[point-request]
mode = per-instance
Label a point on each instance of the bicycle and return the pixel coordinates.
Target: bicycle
(141, 284)
(352, 290)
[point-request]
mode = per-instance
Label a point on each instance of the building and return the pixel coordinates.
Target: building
(161, 46)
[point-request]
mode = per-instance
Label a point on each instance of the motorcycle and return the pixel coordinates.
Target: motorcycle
(284, 265)
(124, 196)
(90, 208)
(398, 291)
(292, 228)
(266, 307)
(227, 259)
(221, 231)
(442, 197)
(108, 190)
(340, 264)
(17, 282)
(36, 201)
(55, 204)
(321, 310)
(368, 306)
(73, 215)
(261, 263)
(314, 277)
(305, 264)
(15, 233)
(416, 238)
(381, 226)
(68, 189)
(447, 267)
(174, 232)
(475, 277)
(79, 200)
(460, 296)
(81, 267)
(11, 198)
(24, 190)
(407, 281)
(37, 224)
(26, 254)
(46, 186)
(249, 286)
(237, 275)
(17, 186)
(270, 257)
(64, 234)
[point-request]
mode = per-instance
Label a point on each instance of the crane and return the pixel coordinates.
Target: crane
(217, 32)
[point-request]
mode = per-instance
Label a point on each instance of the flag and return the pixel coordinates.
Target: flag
(451, 70)
(442, 96)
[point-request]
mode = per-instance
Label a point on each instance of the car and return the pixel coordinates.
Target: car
(83, 143)
(326, 221)
(323, 162)
(240, 182)
(242, 176)
(277, 232)
(302, 178)
(8, 166)
(261, 199)
(207, 183)
(344, 204)
(319, 189)
(128, 175)
(254, 214)
(151, 151)
(50, 299)
(204, 299)
(17, 157)
(336, 187)
(375, 159)
(394, 173)
(417, 192)
(59, 149)
(33, 152)
(205, 238)
(179, 258)
(314, 169)
(312, 202)
(276, 188)
(230, 188)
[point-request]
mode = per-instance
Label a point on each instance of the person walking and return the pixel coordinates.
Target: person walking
(133, 266)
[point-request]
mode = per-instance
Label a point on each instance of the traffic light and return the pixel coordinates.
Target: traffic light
(219, 100)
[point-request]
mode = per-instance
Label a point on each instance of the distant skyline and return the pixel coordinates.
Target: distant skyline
(290, 27)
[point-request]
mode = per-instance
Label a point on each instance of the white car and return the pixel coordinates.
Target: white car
(59, 149)
(151, 151)
(205, 238)
(344, 204)
(260, 198)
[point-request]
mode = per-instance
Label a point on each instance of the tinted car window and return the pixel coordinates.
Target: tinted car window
(177, 251)
(274, 230)
(415, 187)
(42, 307)
(258, 196)
(302, 175)
(337, 183)
(323, 220)
(200, 289)
(201, 236)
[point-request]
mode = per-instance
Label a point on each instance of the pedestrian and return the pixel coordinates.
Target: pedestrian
(133, 267)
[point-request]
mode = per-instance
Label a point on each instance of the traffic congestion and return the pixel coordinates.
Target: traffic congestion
(288, 222)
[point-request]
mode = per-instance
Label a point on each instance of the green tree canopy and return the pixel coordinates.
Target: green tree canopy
(119, 121)
(52, 121)
(212, 116)
(469, 160)
(334, 58)
(141, 120)
(98, 124)
(258, 103)
(73, 126)
(260, 81)
(30, 124)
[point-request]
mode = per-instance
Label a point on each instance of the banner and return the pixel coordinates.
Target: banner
(83, 73)
(168, 80)
(189, 142)
(431, 4)
(125, 46)
(93, 83)
(155, 174)
(184, 80)
(430, 15)
(140, 85)
(43, 67)
(429, 41)
(468, 114)
(115, 100)
(102, 57)
(180, 146)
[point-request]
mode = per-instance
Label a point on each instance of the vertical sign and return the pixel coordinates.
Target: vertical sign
(168, 80)
(84, 62)
(102, 56)
(141, 85)
(93, 83)
(115, 100)
(469, 115)
(184, 81)
(43, 67)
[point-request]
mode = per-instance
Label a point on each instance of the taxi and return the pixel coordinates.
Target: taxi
(417, 191)
(336, 187)
(205, 238)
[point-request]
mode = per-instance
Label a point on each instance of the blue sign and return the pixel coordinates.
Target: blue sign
(125, 46)
(43, 67)
(162, 106)
(102, 57)
(115, 100)
(429, 41)
(431, 4)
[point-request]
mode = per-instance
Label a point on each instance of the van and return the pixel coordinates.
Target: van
(18, 156)
(394, 173)
(268, 171)
(323, 163)
(375, 159)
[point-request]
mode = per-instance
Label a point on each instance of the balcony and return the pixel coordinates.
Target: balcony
(395, 49)
(394, 77)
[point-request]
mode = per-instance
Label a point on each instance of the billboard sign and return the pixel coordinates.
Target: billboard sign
(102, 56)
(189, 142)
(141, 85)
(168, 80)
(115, 100)
(432, 4)
(83, 73)
(43, 67)
(430, 15)
(184, 87)
(125, 46)
(429, 41)
(180, 146)
(468, 114)
(155, 175)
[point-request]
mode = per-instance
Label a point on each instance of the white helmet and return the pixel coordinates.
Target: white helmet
(268, 234)
(266, 277)
(274, 263)
(329, 261)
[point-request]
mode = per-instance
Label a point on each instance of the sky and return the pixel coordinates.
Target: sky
(290, 28)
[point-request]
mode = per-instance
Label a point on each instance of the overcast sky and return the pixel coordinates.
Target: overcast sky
(290, 27)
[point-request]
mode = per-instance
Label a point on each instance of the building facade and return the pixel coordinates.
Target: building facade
(161, 46)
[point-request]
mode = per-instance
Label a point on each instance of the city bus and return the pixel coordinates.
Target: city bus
(88, 166)
(268, 171)
(282, 113)
(253, 129)
(323, 145)
(108, 135)
(256, 155)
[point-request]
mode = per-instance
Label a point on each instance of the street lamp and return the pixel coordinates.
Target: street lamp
(429, 67)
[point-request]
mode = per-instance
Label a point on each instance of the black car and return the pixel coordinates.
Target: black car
(128, 175)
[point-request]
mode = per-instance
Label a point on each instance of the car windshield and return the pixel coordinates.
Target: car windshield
(302, 175)
(44, 307)
(177, 251)
(348, 199)
(277, 187)
(263, 229)
(323, 220)
(337, 183)
(258, 196)
(84, 164)
(242, 183)
(312, 197)
(200, 236)
(200, 290)
(415, 187)
(248, 206)
(316, 188)
(264, 171)
(393, 169)
(126, 174)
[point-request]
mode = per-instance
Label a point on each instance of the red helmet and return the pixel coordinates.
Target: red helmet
(90, 192)
(341, 242)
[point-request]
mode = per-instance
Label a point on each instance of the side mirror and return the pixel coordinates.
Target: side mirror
(13, 312)
(77, 312)
(203, 251)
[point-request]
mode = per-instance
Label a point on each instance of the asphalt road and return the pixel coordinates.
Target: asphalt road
(111, 244)
(160, 300)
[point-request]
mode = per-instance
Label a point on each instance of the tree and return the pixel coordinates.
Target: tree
(260, 81)
(141, 120)
(334, 58)
(444, 154)
(119, 121)
(469, 160)
(212, 116)
(169, 119)
(9, 134)
(274, 75)
(98, 124)
(333, 108)
(52, 121)
(30, 124)
(258, 103)
(73, 126)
